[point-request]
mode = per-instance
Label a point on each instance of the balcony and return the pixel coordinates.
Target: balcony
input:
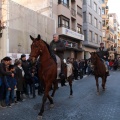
(73, 12)
(70, 33)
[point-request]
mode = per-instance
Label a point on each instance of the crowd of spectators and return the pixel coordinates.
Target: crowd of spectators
(18, 81)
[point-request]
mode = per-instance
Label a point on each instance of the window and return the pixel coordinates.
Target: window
(63, 21)
(64, 2)
(103, 33)
(79, 29)
(99, 26)
(103, 11)
(95, 22)
(85, 35)
(103, 23)
(90, 35)
(84, 16)
(96, 38)
(79, 11)
(90, 18)
(89, 2)
(100, 39)
(99, 11)
(95, 7)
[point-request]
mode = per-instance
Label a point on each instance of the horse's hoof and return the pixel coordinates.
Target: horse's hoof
(71, 96)
(39, 117)
(98, 93)
(51, 105)
(103, 89)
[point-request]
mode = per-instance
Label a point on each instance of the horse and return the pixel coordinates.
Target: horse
(99, 70)
(47, 71)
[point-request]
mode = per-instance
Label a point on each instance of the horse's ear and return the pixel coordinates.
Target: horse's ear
(39, 37)
(31, 38)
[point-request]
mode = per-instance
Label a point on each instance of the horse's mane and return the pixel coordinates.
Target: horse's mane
(50, 51)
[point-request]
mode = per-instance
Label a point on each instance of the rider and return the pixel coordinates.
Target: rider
(58, 48)
(103, 54)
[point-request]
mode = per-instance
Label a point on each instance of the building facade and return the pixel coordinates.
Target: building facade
(68, 21)
(21, 22)
(92, 25)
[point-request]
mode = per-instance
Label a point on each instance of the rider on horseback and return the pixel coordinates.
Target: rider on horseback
(103, 54)
(58, 48)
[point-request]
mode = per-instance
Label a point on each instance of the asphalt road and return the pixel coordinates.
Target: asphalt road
(85, 104)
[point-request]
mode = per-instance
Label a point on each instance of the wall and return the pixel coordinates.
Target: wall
(22, 23)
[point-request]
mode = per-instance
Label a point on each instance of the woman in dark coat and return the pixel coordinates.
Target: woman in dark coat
(19, 73)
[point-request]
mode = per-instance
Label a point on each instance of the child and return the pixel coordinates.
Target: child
(10, 83)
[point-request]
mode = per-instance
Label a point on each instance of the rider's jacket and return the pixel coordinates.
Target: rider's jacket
(101, 51)
(60, 48)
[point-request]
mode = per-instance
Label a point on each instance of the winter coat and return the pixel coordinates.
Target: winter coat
(19, 78)
(60, 48)
(10, 82)
(103, 52)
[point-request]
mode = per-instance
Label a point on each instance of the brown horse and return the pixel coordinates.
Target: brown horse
(47, 71)
(99, 70)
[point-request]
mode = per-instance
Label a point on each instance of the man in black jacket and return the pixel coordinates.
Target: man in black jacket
(3, 73)
(103, 54)
(58, 48)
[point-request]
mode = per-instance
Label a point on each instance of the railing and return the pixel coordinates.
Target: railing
(73, 12)
(63, 25)
(70, 44)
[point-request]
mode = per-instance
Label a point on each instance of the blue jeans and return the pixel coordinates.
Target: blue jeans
(9, 94)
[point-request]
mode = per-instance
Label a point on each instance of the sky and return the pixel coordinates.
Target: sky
(114, 7)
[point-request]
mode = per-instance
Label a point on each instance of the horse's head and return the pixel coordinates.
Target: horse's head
(37, 48)
(94, 57)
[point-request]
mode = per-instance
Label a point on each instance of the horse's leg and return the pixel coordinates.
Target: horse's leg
(55, 83)
(97, 84)
(51, 101)
(70, 84)
(46, 93)
(103, 82)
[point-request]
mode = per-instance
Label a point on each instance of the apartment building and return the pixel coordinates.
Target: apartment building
(114, 22)
(92, 25)
(68, 21)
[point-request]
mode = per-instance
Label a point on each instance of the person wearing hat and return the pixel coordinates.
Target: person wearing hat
(6, 61)
(103, 54)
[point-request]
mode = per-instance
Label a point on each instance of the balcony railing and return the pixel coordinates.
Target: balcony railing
(63, 25)
(73, 12)
(70, 44)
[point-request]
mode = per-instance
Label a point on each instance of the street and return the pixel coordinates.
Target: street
(85, 104)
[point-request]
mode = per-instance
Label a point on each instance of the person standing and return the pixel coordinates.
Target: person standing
(3, 73)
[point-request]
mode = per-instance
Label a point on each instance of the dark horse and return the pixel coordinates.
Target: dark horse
(99, 70)
(47, 71)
